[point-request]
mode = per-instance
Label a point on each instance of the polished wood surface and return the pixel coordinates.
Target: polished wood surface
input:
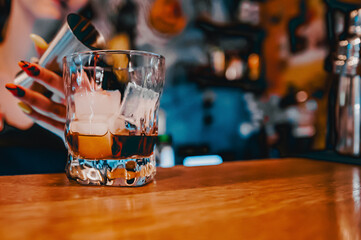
(260, 199)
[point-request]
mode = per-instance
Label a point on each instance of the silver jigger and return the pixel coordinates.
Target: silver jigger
(76, 35)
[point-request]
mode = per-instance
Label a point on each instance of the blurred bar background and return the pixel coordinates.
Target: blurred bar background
(246, 79)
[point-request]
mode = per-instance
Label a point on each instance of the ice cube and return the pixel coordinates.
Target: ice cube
(93, 139)
(138, 103)
(96, 104)
(119, 126)
(89, 128)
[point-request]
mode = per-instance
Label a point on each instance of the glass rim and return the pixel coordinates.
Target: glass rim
(113, 51)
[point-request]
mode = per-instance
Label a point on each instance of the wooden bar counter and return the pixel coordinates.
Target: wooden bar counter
(260, 199)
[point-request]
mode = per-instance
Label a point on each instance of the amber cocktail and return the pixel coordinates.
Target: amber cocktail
(112, 116)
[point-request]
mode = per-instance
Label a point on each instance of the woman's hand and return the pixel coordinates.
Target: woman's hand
(45, 112)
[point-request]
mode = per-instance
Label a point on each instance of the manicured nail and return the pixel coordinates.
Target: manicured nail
(25, 108)
(15, 90)
(30, 68)
(39, 41)
(23, 64)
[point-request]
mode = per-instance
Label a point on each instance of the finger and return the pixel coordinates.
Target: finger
(38, 102)
(46, 122)
(49, 79)
(40, 44)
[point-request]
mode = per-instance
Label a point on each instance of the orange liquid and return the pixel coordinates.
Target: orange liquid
(110, 146)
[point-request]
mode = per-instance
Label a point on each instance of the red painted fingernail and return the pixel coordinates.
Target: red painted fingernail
(15, 90)
(12, 88)
(30, 68)
(23, 64)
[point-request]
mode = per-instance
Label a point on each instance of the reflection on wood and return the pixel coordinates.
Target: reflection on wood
(265, 199)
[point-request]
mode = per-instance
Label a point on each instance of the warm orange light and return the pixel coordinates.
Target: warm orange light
(253, 61)
(167, 17)
(253, 65)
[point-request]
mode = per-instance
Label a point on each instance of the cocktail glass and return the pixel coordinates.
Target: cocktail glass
(112, 116)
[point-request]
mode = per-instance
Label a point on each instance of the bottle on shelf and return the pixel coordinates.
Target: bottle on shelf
(348, 98)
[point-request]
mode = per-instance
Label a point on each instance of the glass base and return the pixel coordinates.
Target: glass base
(127, 172)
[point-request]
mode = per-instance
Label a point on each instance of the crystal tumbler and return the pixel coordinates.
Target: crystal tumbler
(112, 116)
